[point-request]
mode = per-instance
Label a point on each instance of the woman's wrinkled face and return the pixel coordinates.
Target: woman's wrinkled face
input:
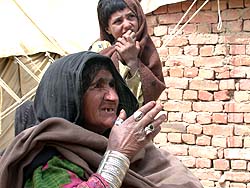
(121, 21)
(100, 103)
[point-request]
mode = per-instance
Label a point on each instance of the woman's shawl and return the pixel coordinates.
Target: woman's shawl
(150, 66)
(150, 168)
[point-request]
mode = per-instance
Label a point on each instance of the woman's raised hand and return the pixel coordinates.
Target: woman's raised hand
(131, 135)
(128, 49)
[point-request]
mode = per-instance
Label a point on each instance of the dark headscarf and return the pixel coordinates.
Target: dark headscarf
(60, 91)
(150, 66)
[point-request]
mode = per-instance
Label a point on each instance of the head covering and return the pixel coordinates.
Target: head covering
(150, 66)
(60, 91)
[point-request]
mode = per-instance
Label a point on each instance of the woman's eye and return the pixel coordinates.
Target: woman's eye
(112, 84)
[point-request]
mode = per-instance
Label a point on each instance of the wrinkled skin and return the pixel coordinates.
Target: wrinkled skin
(123, 25)
(100, 104)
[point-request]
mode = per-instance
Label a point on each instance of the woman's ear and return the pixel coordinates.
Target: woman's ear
(108, 30)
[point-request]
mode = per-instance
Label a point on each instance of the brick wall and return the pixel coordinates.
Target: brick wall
(207, 99)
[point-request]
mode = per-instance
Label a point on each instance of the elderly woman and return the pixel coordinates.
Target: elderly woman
(90, 134)
(124, 38)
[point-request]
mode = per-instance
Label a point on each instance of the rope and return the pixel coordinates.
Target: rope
(195, 13)
(219, 26)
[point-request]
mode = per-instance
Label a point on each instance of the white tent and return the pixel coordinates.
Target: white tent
(33, 34)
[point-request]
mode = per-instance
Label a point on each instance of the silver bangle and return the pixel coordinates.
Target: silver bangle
(113, 168)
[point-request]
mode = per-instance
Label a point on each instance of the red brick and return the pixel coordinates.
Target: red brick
(191, 50)
(160, 30)
(238, 164)
(204, 118)
(178, 106)
(222, 130)
(247, 3)
(242, 130)
(237, 185)
(176, 72)
(163, 53)
(221, 95)
(173, 127)
(235, 39)
(245, 13)
(190, 28)
(181, 83)
(245, 84)
(233, 26)
(203, 140)
(151, 20)
(203, 163)
(208, 107)
(235, 117)
(227, 84)
(236, 153)
(246, 142)
(207, 174)
(166, 19)
(223, 5)
(237, 107)
(206, 85)
(220, 118)
(234, 141)
(222, 73)
(248, 49)
(188, 138)
(175, 51)
(203, 152)
(188, 161)
(237, 73)
(173, 8)
(186, 61)
(174, 116)
(220, 49)
(214, 61)
(240, 61)
(204, 28)
(219, 141)
(186, 5)
(176, 149)
(221, 164)
(157, 41)
(176, 94)
(194, 129)
(205, 17)
(237, 176)
(241, 96)
(207, 50)
(237, 49)
(236, 4)
(190, 72)
(176, 41)
(190, 95)
(230, 14)
(160, 138)
(203, 38)
(174, 137)
(207, 6)
(163, 96)
(161, 10)
(206, 74)
(247, 117)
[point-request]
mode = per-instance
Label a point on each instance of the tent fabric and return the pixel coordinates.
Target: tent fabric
(36, 32)
(21, 82)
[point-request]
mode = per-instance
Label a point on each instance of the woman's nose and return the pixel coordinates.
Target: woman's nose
(111, 94)
(127, 24)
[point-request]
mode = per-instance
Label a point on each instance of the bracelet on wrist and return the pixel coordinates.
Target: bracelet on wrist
(113, 168)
